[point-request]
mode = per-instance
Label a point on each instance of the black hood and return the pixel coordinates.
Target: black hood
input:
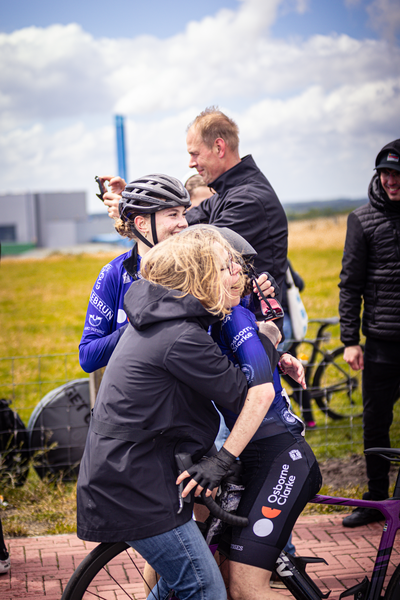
(147, 303)
(379, 198)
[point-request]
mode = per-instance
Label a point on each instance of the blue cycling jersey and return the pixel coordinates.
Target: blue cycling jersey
(237, 337)
(105, 318)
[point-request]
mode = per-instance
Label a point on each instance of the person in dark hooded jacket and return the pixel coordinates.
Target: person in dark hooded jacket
(155, 401)
(371, 273)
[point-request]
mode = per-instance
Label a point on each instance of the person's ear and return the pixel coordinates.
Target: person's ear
(220, 147)
(142, 224)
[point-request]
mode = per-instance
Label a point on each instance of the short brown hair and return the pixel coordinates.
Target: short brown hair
(194, 182)
(188, 262)
(212, 124)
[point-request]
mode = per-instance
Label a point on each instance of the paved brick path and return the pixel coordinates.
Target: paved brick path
(41, 566)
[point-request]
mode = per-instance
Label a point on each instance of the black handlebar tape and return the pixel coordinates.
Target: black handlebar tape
(219, 513)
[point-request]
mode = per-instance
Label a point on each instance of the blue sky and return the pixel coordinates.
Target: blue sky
(163, 19)
(313, 85)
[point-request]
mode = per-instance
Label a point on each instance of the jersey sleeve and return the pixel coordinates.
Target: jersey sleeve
(99, 336)
(255, 359)
(199, 363)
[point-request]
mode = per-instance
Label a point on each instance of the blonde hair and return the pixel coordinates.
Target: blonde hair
(124, 228)
(212, 123)
(189, 262)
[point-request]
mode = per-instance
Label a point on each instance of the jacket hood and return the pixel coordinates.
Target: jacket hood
(379, 198)
(147, 303)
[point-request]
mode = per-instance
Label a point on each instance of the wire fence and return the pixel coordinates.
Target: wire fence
(44, 415)
(51, 396)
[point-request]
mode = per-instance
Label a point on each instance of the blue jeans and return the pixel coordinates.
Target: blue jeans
(183, 560)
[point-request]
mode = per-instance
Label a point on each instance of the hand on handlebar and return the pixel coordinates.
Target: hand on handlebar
(207, 473)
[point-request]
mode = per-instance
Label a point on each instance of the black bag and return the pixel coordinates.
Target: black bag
(14, 446)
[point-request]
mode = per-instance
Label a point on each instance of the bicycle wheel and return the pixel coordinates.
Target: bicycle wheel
(393, 588)
(336, 391)
(111, 570)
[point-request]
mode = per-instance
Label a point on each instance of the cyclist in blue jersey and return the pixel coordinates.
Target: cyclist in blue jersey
(152, 208)
(281, 473)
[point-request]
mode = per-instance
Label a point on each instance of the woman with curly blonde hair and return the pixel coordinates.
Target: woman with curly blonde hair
(155, 400)
(191, 264)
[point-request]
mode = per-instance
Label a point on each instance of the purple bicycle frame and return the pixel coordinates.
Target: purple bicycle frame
(390, 510)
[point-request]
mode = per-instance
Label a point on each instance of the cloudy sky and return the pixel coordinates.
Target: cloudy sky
(314, 86)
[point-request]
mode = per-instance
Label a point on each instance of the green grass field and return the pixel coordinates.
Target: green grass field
(43, 305)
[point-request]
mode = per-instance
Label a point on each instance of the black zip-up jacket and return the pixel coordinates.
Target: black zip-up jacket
(154, 401)
(246, 202)
(371, 270)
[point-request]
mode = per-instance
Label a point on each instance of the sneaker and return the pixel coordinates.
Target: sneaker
(311, 425)
(362, 516)
(5, 565)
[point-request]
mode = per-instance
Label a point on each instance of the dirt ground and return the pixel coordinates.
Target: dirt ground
(347, 473)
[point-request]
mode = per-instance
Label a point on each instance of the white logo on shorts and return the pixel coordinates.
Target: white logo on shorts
(263, 527)
(295, 454)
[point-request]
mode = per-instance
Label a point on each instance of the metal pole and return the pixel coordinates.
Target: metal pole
(119, 126)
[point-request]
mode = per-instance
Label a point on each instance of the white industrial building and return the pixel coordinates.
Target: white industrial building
(50, 220)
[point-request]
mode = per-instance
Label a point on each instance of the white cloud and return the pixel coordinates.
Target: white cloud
(321, 101)
(64, 72)
(384, 17)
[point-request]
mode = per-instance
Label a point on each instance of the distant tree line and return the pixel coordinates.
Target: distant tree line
(296, 211)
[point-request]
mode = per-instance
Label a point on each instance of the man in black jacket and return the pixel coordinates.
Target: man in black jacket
(371, 272)
(245, 200)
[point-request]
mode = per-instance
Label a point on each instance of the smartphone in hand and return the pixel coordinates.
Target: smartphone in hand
(101, 188)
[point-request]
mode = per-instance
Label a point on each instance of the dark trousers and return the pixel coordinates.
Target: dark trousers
(3, 549)
(381, 389)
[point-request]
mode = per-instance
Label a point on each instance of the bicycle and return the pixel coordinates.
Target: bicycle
(109, 566)
(336, 391)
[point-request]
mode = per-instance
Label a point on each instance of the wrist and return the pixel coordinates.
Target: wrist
(226, 456)
(281, 369)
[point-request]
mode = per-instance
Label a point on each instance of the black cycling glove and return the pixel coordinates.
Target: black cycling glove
(209, 471)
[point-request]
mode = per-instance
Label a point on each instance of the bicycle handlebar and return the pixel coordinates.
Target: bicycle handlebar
(221, 514)
(392, 454)
(328, 321)
(184, 461)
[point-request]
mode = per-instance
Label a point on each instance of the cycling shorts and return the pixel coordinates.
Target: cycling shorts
(280, 476)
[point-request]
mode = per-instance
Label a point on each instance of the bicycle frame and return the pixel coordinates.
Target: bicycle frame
(292, 569)
(316, 344)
